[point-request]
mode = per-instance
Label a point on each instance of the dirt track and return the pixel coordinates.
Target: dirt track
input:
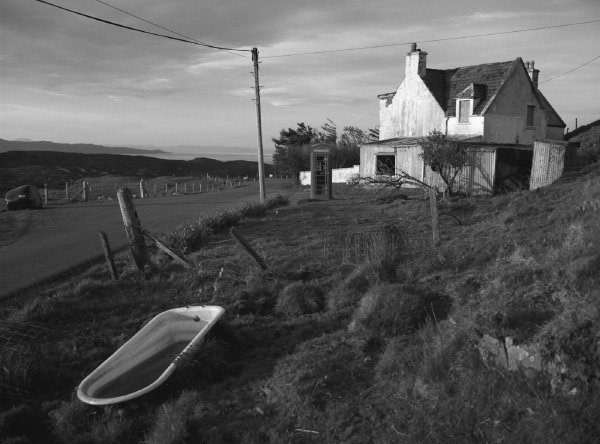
(41, 243)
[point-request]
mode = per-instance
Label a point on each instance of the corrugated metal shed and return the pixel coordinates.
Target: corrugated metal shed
(477, 177)
(548, 162)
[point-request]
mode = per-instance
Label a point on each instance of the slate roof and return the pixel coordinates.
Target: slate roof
(482, 80)
(552, 117)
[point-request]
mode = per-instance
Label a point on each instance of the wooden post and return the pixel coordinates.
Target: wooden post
(185, 188)
(176, 188)
(435, 227)
(235, 234)
(67, 190)
(166, 189)
(110, 262)
(200, 189)
(84, 190)
(142, 188)
(170, 252)
(133, 228)
(45, 194)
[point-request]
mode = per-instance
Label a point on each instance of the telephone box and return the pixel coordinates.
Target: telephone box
(320, 172)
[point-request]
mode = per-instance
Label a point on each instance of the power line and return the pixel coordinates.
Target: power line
(141, 30)
(163, 28)
(359, 48)
(571, 70)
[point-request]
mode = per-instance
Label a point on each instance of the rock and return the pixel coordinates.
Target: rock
(492, 350)
(526, 357)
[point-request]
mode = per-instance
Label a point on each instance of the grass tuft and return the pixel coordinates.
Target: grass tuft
(300, 298)
(392, 309)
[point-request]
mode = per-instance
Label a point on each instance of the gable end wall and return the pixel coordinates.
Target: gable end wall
(505, 119)
(413, 112)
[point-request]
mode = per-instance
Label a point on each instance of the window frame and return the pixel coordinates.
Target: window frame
(466, 118)
(530, 116)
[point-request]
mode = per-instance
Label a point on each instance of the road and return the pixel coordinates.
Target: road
(38, 244)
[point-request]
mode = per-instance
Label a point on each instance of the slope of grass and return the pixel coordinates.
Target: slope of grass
(343, 339)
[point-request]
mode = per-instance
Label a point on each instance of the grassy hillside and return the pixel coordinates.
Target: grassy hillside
(360, 331)
(54, 168)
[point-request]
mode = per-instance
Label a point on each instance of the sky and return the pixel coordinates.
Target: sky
(66, 78)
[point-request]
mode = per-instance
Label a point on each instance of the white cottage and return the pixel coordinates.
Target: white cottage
(496, 107)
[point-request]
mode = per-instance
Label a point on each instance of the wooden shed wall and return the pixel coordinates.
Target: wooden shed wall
(476, 177)
(548, 162)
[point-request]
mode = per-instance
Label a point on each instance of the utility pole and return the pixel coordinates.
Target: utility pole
(261, 172)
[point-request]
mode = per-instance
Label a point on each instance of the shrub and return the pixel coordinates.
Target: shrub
(300, 298)
(392, 309)
(191, 236)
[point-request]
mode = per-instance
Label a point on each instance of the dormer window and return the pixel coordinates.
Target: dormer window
(530, 115)
(464, 111)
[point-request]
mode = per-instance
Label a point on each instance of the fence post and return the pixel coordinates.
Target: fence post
(67, 190)
(176, 187)
(166, 189)
(133, 228)
(435, 227)
(185, 188)
(142, 188)
(45, 194)
(110, 262)
(84, 191)
(235, 234)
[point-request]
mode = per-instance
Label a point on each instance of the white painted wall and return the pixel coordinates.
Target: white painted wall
(338, 175)
(414, 113)
(474, 127)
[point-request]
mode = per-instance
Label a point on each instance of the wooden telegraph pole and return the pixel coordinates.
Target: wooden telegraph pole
(261, 172)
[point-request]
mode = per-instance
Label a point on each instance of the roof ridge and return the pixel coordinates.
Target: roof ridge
(473, 66)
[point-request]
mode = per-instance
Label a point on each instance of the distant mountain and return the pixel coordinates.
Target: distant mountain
(84, 148)
(55, 168)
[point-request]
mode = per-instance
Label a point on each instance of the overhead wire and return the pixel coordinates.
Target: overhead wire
(119, 25)
(185, 39)
(359, 48)
(164, 28)
(571, 70)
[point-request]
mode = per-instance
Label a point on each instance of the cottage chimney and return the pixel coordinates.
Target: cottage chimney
(533, 73)
(416, 62)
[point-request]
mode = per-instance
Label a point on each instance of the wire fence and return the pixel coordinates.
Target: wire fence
(105, 188)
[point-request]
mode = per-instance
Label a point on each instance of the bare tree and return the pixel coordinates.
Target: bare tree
(445, 157)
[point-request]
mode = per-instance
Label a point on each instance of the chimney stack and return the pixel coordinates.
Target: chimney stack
(416, 62)
(533, 73)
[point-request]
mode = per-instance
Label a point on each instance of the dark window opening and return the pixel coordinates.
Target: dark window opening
(530, 115)
(386, 165)
(513, 169)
